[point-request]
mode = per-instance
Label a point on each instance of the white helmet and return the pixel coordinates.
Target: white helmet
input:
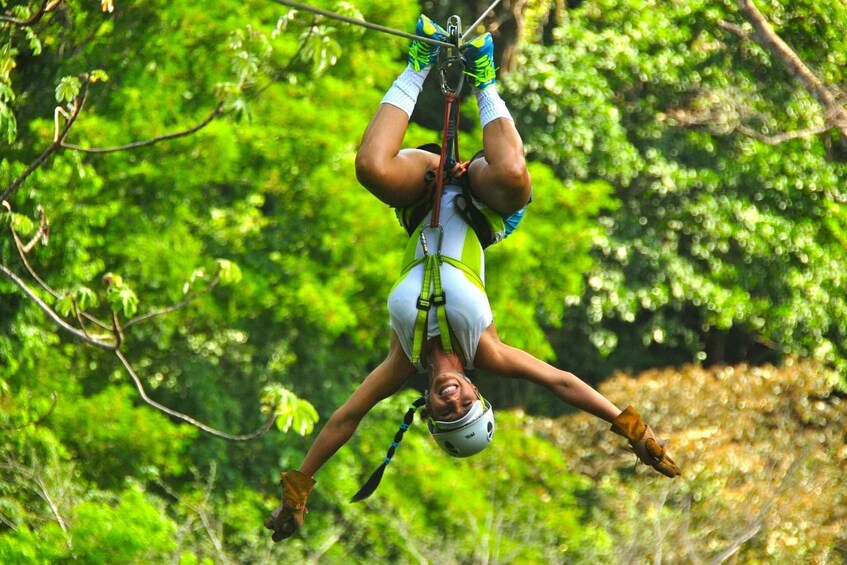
(468, 435)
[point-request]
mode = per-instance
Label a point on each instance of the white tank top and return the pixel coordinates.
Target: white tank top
(467, 307)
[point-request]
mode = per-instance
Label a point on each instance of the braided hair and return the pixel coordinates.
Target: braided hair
(370, 486)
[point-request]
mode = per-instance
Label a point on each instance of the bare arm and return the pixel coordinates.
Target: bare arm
(495, 356)
(382, 382)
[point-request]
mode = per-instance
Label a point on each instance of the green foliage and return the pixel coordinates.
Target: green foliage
(119, 295)
(659, 234)
(134, 529)
(8, 123)
(80, 297)
(128, 529)
(68, 89)
(722, 248)
(525, 284)
(118, 439)
(229, 271)
(292, 413)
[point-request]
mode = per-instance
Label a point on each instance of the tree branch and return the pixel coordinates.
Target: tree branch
(53, 147)
(734, 29)
(145, 143)
(52, 314)
(778, 138)
(138, 384)
(185, 418)
(23, 250)
(41, 235)
(46, 6)
(115, 339)
(834, 114)
(61, 135)
(181, 304)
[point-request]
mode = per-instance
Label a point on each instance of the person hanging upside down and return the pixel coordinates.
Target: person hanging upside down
(441, 320)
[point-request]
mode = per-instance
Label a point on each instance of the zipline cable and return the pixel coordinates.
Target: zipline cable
(362, 23)
(450, 60)
(451, 117)
(478, 21)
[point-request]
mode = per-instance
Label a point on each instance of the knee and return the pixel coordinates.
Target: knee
(516, 176)
(370, 171)
(515, 185)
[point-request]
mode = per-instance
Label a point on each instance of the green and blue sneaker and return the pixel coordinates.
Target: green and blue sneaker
(421, 53)
(479, 61)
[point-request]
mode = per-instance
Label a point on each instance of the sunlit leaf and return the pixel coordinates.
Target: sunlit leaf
(8, 124)
(230, 272)
(98, 75)
(68, 89)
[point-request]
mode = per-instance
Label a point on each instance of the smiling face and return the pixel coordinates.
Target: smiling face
(451, 396)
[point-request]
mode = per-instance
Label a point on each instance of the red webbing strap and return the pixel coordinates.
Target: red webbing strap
(450, 97)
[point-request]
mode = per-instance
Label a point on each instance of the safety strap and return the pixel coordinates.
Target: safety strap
(451, 63)
(432, 294)
(448, 138)
(471, 274)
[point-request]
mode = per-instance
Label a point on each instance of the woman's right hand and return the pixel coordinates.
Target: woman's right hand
(289, 515)
(284, 522)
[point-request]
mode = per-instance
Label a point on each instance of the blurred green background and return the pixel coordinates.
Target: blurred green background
(683, 254)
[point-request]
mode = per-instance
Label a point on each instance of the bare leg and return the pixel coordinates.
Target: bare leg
(392, 174)
(501, 179)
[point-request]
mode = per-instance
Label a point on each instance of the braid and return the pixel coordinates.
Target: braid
(370, 486)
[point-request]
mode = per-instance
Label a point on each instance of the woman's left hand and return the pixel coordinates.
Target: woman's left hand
(644, 443)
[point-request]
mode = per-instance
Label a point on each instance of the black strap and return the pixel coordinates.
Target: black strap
(414, 215)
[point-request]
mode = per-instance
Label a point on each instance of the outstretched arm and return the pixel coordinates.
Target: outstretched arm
(495, 356)
(386, 379)
(382, 382)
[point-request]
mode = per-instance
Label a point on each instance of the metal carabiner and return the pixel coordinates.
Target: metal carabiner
(425, 246)
(451, 59)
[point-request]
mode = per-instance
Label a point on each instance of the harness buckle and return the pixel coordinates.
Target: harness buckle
(423, 304)
(439, 299)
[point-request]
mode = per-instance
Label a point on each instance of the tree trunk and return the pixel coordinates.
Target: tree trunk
(835, 114)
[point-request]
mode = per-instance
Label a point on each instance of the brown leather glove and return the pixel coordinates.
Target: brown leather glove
(643, 442)
(289, 515)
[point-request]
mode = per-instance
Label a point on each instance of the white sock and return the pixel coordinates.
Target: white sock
(491, 106)
(406, 88)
